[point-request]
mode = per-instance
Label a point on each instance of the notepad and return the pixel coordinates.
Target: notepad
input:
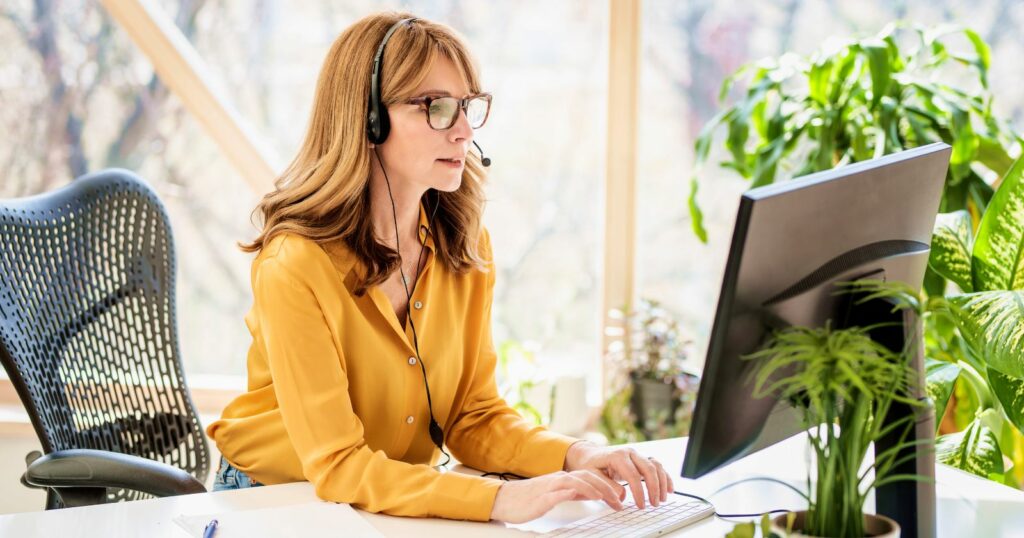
(319, 518)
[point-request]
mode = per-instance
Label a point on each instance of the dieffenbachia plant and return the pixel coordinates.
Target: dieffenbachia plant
(975, 336)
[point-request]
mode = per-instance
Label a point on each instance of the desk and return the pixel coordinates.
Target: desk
(967, 505)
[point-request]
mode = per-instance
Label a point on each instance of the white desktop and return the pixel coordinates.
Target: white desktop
(967, 505)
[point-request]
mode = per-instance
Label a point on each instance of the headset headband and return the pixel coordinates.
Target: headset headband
(377, 121)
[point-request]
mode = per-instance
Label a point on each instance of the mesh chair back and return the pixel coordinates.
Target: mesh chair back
(88, 333)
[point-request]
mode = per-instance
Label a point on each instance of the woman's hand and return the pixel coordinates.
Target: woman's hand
(622, 464)
(522, 500)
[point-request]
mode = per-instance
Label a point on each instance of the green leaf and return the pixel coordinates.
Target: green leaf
(975, 450)
(1010, 393)
(941, 376)
(965, 142)
(818, 78)
(952, 242)
(992, 324)
(766, 162)
(703, 144)
(766, 525)
(954, 198)
(736, 141)
(978, 192)
(999, 247)
(967, 403)
(984, 55)
(992, 419)
(757, 116)
(848, 61)
(993, 155)
(730, 81)
(742, 530)
(859, 142)
(934, 283)
(878, 64)
(696, 215)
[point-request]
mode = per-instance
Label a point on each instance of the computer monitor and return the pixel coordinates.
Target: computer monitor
(792, 242)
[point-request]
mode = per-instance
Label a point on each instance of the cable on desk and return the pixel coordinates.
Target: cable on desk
(738, 482)
(762, 479)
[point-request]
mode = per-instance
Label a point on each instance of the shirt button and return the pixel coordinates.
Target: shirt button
(417, 305)
(412, 361)
(409, 419)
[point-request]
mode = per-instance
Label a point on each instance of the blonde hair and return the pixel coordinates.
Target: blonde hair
(324, 195)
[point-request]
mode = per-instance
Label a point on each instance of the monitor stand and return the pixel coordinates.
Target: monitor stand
(911, 503)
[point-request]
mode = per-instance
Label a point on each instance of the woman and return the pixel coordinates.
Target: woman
(372, 291)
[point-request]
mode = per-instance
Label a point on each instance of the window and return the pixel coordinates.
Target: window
(545, 63)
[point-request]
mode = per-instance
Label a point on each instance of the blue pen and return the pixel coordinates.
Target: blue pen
(210, 530)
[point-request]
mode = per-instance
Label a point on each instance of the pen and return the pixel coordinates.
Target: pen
(210, 530)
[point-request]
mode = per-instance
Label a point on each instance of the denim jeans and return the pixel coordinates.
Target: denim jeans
(230, 478)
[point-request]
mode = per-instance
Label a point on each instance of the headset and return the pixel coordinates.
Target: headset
(378, 123)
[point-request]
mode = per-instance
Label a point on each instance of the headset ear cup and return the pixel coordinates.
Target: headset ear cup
(378, 127)
(384, 124)
(371, 127)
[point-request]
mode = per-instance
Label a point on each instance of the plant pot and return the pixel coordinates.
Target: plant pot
(875, 526)
(651, 399)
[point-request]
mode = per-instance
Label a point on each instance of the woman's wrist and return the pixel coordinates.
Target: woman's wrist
(575, 453)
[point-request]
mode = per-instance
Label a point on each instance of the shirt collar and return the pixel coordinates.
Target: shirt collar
(344, 259)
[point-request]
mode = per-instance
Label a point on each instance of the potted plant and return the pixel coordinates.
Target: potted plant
(653, 390)
(904, 87)
(843, 384)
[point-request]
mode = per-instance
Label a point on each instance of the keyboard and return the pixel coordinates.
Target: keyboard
(633, 522)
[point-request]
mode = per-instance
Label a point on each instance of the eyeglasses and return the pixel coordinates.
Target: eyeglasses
(443, 112)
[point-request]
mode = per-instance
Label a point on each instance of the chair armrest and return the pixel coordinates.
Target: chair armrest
(87, 468)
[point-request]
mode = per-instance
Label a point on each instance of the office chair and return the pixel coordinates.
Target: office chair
(88, 337)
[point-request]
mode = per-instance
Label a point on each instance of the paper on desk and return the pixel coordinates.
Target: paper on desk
(319, 518)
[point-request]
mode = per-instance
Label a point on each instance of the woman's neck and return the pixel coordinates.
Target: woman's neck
(406, 211)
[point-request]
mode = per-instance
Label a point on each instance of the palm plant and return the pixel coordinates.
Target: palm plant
(846, 382)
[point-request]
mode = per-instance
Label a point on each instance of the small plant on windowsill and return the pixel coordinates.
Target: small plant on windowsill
(652, 390)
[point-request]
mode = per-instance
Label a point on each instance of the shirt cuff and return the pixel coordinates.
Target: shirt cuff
(462, 496)
(544, 453)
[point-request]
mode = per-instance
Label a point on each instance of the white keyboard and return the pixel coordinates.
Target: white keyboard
(633, 522)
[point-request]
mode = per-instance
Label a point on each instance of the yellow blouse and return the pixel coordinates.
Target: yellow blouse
(336, 396)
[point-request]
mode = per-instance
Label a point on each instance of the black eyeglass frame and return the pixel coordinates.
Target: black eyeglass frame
(463, 104)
